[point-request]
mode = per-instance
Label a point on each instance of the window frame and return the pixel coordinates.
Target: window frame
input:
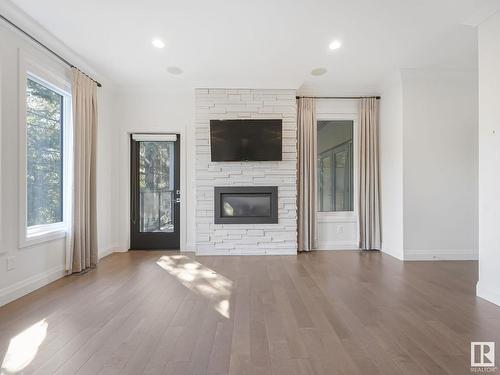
(343, 216)
(58, 82)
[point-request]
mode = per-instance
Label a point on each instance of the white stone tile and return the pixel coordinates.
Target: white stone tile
(253, 238)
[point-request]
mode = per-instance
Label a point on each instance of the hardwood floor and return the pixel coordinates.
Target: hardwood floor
(318, 313)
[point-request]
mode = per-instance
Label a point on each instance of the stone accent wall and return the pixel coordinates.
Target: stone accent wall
(249, 239)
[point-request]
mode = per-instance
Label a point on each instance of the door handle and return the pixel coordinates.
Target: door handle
(177, 200)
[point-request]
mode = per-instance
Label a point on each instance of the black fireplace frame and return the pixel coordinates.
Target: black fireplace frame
(272, 191)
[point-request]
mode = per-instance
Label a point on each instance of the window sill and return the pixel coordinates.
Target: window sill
(40, 236)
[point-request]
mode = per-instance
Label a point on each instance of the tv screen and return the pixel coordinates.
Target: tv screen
(245, 140)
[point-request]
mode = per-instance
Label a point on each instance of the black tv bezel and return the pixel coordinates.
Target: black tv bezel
(218, 121)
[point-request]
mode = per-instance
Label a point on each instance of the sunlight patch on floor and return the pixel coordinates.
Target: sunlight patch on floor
(23, 348)
(200, 279)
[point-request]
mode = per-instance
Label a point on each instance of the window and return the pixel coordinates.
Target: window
(335, 165)
(45, 135)
(44, 154)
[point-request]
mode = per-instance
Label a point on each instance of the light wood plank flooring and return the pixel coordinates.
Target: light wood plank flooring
(318, 313)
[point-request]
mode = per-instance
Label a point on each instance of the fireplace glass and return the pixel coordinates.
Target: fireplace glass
(246, 204)
(242, 205)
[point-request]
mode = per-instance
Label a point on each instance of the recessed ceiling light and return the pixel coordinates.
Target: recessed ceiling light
(158, 43)
(175, 70)
(336, 44)
(318, 72)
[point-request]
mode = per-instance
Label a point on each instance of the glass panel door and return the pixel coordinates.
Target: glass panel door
(335, 165)
(335, 179)
(156, 184)
(343, 177)
(325, 183)
(155, 195)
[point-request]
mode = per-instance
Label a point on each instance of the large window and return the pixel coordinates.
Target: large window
(44, 154)
(45, 135)
(335, 165)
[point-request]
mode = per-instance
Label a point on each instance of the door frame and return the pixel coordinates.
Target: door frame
(184, 241)
(341, 110)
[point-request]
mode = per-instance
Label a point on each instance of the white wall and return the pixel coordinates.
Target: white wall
(429, 161)
(391, 166)
(440, 164)
(488, 286)
(40, 264)
(146, 111)
(107, 174)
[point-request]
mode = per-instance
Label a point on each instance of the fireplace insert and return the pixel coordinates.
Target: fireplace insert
(246, 205)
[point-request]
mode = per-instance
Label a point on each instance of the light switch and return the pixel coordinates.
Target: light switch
(11, 263)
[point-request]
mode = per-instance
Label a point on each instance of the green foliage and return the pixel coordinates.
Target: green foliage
(44, 154)
(156, 184)
(154, 168)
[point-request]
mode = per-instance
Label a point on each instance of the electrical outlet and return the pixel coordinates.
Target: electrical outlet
(11, 263)
(340, 229)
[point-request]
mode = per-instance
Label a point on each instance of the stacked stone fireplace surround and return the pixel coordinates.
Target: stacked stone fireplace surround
(245, 239)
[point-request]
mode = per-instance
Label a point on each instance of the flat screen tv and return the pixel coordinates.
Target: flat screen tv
(245, 140)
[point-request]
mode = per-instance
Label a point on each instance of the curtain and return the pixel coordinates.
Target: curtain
(82, 238)
(369, 196)
(306, 184)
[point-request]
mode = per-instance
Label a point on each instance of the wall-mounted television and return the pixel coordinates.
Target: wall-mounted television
(246, 140)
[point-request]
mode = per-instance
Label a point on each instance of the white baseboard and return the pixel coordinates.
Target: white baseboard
(23, 287)
(108, 250)
(259, 253)
(190, 247)
(104, 253)
(394, 254)
(488, 294)
(440, 255)
(337, 245)
(279, 252)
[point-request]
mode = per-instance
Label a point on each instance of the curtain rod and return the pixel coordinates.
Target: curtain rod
(337, 97)
(45, 47)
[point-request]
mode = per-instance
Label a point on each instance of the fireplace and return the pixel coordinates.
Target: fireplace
(246, 205)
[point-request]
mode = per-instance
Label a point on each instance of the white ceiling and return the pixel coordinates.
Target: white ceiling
(263, 43)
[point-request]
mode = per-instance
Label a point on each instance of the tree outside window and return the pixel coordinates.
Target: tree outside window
(44, 169)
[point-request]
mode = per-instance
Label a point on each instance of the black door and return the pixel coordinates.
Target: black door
(155, 195)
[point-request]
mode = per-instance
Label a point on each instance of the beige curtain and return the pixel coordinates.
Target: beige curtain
(307, 154)
(369, 196)
(83, 236)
